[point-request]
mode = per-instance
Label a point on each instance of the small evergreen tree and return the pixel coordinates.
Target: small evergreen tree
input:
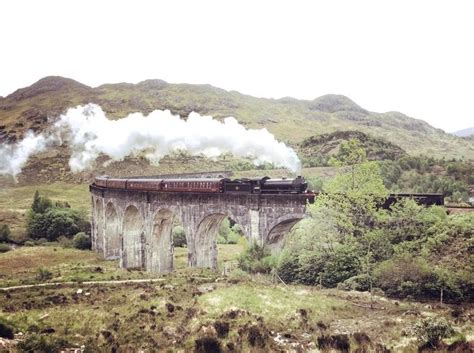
(5, 233)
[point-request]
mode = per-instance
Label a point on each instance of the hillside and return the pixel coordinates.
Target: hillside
(317, 149)
(291, 120)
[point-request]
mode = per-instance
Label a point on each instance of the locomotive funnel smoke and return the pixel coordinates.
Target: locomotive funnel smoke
(13, 157)
(88, 132)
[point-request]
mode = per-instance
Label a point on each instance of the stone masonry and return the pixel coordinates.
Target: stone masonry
(136, 227)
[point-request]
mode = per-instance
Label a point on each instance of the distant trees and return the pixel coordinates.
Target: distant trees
(426, 174)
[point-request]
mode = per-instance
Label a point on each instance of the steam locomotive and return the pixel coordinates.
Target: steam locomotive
(208, 185)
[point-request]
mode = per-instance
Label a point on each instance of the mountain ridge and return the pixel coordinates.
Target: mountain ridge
(467, 132)
(289, 119)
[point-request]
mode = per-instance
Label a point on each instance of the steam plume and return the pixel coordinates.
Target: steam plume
(13, 157)
(88, 132)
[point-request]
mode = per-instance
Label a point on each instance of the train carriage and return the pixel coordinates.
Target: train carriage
(192, 185)
(144, 184)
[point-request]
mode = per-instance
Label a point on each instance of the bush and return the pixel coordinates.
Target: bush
(405, 275)
(55, 222)
(360, 283)
(6, 329)
(43, 274)
(229, 234)
(288, 267)
(82, 241)
(431, 331)
(329, 268)
(257, 259)
(5, 233)
(4, 248)
(179, 237)
(29, 243)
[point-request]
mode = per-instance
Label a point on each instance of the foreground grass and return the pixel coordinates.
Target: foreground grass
(272, 302)
(192, 304)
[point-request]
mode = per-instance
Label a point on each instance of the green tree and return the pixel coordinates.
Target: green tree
(5, 233)
(40, 203)
(179, 236)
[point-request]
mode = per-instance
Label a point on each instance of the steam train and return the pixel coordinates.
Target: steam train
(263, 185)
(208, 185)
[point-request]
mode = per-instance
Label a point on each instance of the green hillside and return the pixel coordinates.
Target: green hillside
(291, 120)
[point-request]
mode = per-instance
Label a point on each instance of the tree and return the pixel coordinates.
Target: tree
(40, 204)
(179, 237)
(337, 241)
(5, 233)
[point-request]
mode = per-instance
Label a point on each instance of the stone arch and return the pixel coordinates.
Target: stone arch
(279, 228)
(205, 240)
(132, 238)
(160, 245)
(112, 233)
(99, 226)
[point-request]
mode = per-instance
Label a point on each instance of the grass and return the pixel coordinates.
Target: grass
(20, 198)
(274, 303)
(172, 313)
(20, 266)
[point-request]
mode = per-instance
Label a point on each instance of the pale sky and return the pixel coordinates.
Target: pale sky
(416, 57)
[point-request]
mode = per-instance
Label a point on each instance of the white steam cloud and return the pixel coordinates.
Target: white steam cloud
(13, 157)
(88, 132)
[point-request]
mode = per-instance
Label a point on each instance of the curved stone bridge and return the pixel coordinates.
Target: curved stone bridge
(135, 227)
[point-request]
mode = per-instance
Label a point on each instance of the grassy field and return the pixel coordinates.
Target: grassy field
(22, 265)
(237, 312)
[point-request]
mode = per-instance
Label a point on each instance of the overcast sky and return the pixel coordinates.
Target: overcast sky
(416, 57)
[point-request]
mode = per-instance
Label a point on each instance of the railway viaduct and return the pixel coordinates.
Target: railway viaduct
(136, 227)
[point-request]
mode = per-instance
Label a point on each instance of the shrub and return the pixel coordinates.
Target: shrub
(405, 275)
(82, 241)
(5, 233)
(431, 331)
(4, 248)
(6, 329)
(43, 274)
(288, 267)
(329, 268)
(29, 243)
(179, 237)
(229, 234)
(360, 283)
(55, 222)
(256, 259)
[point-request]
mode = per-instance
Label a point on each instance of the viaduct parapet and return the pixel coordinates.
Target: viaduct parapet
(136, 226)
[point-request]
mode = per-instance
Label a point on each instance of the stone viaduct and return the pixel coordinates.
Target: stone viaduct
(136, 226)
